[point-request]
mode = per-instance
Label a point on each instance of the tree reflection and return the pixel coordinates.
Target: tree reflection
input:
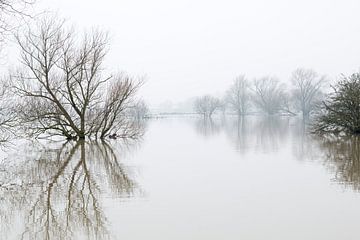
(237, 130)
(343, 158)
(266, 133)
(57, 194)
(271, 132)
(207, 127)
(304, 143)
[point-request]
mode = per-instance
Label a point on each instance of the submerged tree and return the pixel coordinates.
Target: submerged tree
(238, 95)
(269, 96)
(341, 111)
(207, 105)
(64, 88)
(307, 93)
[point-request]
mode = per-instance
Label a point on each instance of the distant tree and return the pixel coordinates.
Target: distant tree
(223, 106)
(341, 111)
(140, 110)
(238, 95)
(307, 93)
(206, 105)
(63, 89)
(269, 95)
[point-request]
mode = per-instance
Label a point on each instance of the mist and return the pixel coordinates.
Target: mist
(179, 119)
(190, 48)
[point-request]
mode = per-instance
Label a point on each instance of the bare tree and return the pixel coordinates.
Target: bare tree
(269, 95)
(238, 95)
(206, 105)
(307, 90)
(63, 86)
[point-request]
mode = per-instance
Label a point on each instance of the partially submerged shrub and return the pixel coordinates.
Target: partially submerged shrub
(341, 111)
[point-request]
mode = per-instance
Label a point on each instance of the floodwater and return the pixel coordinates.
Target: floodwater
(250, 178)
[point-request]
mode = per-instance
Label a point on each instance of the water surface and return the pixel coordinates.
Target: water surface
(249, 178)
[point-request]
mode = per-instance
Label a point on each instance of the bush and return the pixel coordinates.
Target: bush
(341, 111)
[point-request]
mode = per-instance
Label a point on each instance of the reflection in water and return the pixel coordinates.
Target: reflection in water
(343, 158)
(271, 131)
(266, 133)
(63, 192)
(269, 134)
(237, 129)
(207, 127)
(57, 193)
(304, 144)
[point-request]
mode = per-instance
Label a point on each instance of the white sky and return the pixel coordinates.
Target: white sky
(193, 47)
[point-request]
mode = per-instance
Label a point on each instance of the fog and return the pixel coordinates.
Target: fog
(179, 120)
(189, 48)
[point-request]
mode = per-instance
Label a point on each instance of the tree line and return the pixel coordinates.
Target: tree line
(268, 95)
(335, 112)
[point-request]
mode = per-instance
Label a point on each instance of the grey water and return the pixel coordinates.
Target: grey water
(187, 178)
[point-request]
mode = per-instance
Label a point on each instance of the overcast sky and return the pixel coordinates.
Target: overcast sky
(193, 47)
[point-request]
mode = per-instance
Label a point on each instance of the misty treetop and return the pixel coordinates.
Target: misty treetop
(307, 90)
(238, 97)
(269, 95)
(13, 13)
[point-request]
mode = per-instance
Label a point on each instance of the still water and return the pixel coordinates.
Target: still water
(250, 178)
